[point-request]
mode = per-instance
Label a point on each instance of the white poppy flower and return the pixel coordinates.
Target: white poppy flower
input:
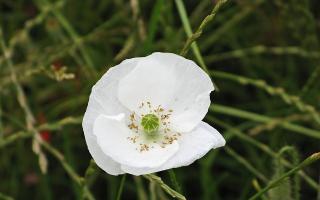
(145, 115)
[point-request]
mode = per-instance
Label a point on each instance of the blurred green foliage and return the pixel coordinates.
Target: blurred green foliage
(262, 55)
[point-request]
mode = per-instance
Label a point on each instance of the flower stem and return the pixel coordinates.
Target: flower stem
(311, 159)
(123, 179)
(166, 188)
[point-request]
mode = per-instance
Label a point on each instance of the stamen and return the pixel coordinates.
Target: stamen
(152, 127)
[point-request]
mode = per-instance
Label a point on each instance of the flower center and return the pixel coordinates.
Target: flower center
(151, 128)
(150, 123)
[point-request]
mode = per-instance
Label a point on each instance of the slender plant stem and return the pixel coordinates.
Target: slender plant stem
(59, 156)
(21, 97)
(23, 102)
(261, 49)
(257, 186)
(263, 147)
(152, 191)
(30, 120)
(174, 180)
(234, 20)
(28, 25)
(141, 193)
(192, 37)
(123, 179)
(166, 188)
(70, 171)
(245, 163)
(308, 161)
(263, 119)
(275, 91)
(311, 81)
(91, 169)
(47, 126)
(188, 30)
(75, 37)
(14, 137)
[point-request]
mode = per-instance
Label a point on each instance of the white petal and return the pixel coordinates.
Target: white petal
(173, 82)
(192, 146)
(151, 81)
(112, 136)
(103, 100)
(191, 99)
(102, 160)
(106, 89)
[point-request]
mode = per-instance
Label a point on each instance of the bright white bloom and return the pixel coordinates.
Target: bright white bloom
(145, 115)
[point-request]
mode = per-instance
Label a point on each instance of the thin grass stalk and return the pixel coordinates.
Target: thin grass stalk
(310, 82)
(263, 147)
(234, 20)
(263, 119)
(174, 180)
(46, 126)
(22, 100)
(142, 195)
(75, 38)
(245, 163)
(70, 171)
(261, 49)
(275, 91)
(188, 30)
(166, 188)
(308, 161)
(121, 186)
(194, 36)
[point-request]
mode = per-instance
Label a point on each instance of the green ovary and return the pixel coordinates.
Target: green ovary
(150, 123)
